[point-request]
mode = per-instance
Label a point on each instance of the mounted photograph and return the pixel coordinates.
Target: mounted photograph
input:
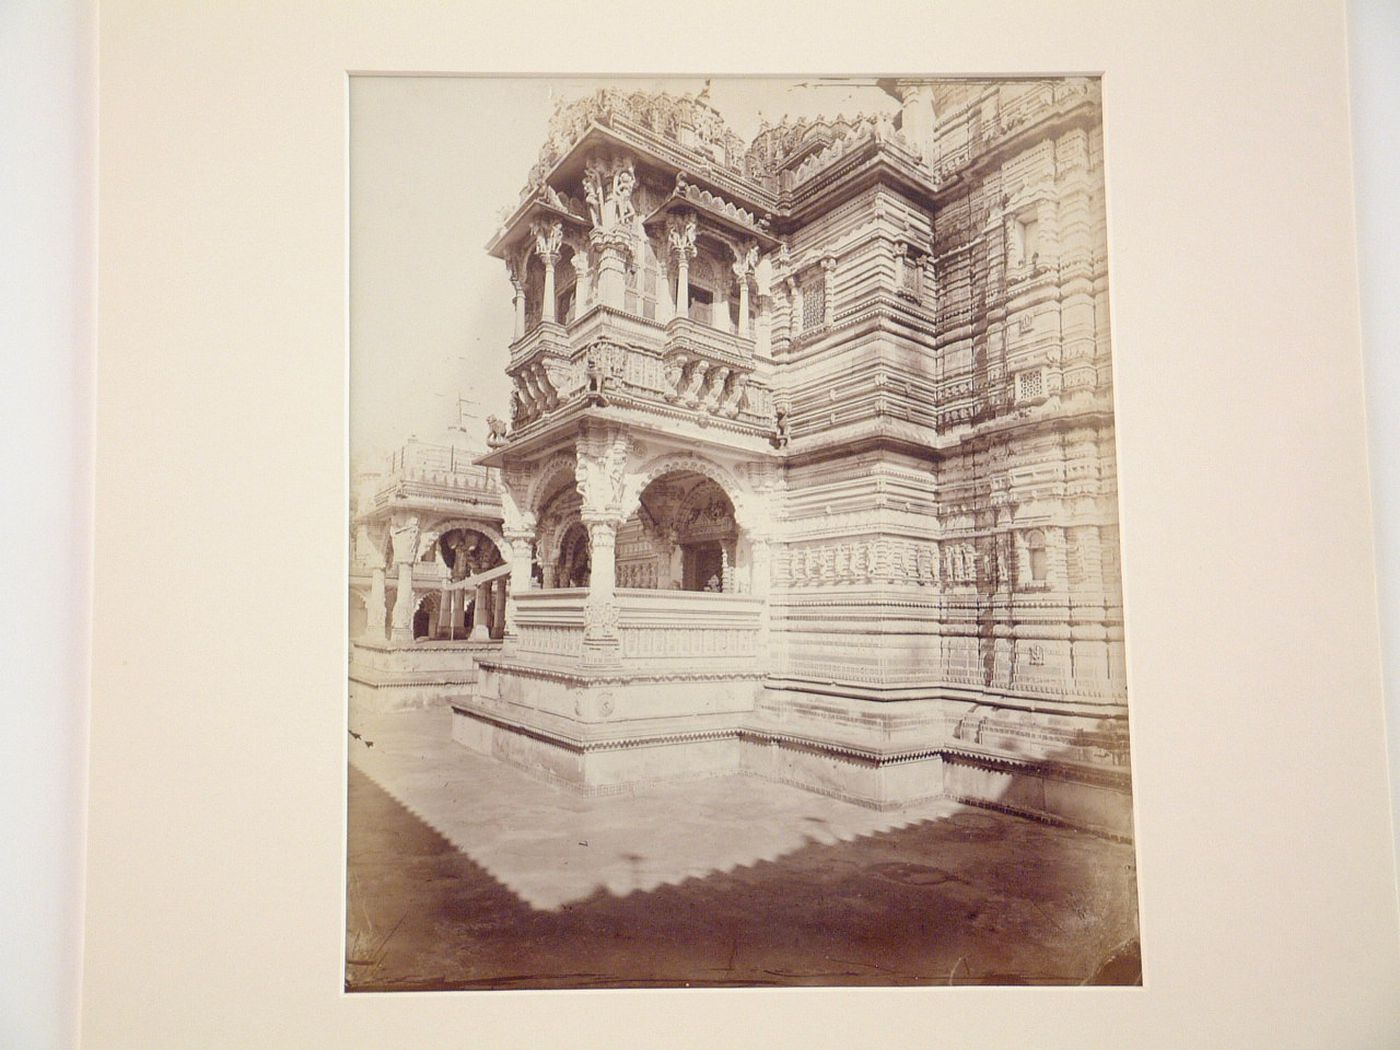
(734, 563)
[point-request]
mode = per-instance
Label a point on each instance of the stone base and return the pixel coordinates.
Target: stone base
(609, 734)
(605, 731)
(596, 767)
(1066, 765)
(386, 677)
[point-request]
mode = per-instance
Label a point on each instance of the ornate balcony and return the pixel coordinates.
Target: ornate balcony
(611, 355)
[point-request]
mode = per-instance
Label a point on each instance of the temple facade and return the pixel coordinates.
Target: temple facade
(809, 466)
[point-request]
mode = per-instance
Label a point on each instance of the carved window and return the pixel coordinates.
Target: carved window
(1035, 551)
(813, 301)
(1030, 384)
(1025, 241)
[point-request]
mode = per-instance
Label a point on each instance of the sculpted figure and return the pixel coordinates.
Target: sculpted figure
(624, 182)
(497, 429)
(780, 427)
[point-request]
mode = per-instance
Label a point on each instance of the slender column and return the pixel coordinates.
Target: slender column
(547, 306)
(726, 572)
(681, 232)
(518, 300)
(829, 298)
(375, 609)
(549, 238)
(548, 571)
(402, 628)
(481, 614)
(521, 577)
(682, 285)
(745, 263)
(601, 641)
(498, 609)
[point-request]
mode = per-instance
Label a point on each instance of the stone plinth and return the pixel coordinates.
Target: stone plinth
(388, 677)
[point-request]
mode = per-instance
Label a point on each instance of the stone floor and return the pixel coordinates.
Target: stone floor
(467, 873)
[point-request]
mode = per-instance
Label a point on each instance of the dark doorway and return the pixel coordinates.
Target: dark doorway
(703, 567)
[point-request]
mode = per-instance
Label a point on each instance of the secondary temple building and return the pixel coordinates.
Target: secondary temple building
(809, 469)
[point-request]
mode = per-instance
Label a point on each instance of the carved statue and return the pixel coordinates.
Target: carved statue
(780, 427)
(624, 182)
(497, 431)
(593, 193)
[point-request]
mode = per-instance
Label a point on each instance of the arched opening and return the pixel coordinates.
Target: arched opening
(1035, 549)
(561, 547)
(464, 552)
(425, 617)
(575, 559)
(683, 536)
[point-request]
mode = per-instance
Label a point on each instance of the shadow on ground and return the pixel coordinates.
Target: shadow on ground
(974, 897)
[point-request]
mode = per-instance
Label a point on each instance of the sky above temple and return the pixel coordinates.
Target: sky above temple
(435, 164)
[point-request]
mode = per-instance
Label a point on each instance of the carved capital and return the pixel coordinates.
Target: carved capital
(745, 259)
(549, 239)
(403, 534)
(600, 469)
(681, 229)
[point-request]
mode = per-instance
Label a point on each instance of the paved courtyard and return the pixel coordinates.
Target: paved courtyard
(467, 873)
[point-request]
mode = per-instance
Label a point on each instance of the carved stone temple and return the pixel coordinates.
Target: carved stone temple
(809, 470)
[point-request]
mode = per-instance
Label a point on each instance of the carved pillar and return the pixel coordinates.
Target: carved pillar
(460, 600)
(743, 303)
(682, 284)
(521, 576)
(548, 569)
(745, 263)
(481, 614)
(516, 260)
(601, 640)
(518, 300)
(681, 235)
(498, 608)
(549, 238)
(402, 629)
(612, 247)
(375, 608)
(547, 306)
(829, 296)
(403, 532)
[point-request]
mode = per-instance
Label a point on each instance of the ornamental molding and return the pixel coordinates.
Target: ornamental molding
(671, 462)
(440, 527)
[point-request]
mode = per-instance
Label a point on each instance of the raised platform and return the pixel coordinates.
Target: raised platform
(601, 734)
(386, 677)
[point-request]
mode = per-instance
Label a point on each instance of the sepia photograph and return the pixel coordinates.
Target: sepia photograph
(734, 562)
